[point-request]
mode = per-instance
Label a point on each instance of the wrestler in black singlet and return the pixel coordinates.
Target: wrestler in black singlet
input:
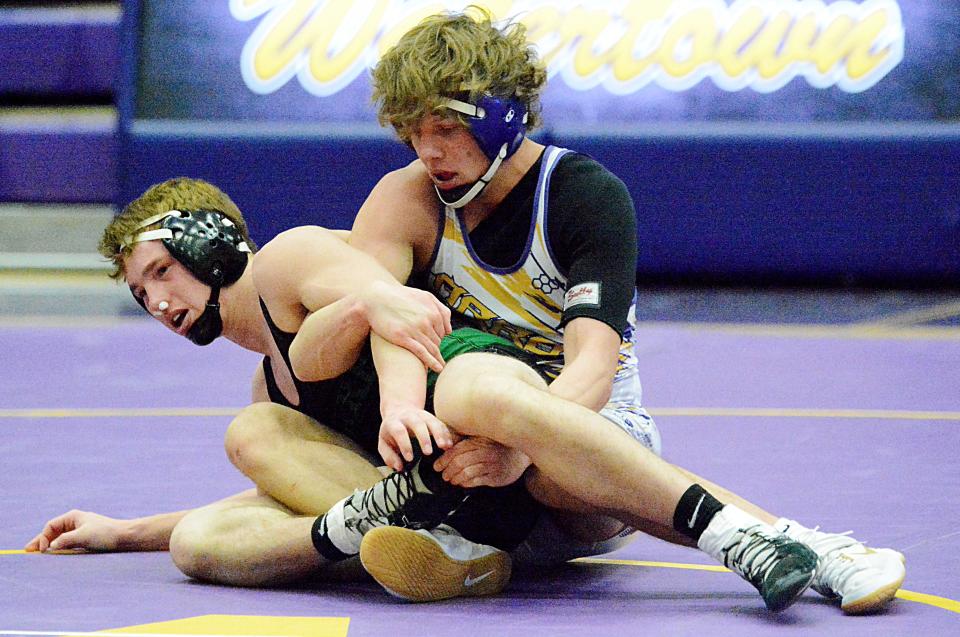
(349, 404)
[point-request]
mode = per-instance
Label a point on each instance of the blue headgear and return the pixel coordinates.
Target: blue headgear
(211, 247)
(499, 125)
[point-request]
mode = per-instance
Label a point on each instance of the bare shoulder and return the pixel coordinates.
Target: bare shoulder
(281, 264)
(402, 208)
(293, 244)
(400, 197)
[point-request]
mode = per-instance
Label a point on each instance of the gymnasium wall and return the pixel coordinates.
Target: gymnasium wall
(810, 142)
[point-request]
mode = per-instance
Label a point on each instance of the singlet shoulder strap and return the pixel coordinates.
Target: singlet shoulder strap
(283, 341)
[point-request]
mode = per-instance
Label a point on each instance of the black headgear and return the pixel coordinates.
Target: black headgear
(211, 247)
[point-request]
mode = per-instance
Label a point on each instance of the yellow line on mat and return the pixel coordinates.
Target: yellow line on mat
(689, 567)
(922, 598)
(931, 600)
(910, 596)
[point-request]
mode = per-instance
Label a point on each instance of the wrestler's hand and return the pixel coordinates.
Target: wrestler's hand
(79, 530)
(409, 318)
(403, 422)
(481, 462)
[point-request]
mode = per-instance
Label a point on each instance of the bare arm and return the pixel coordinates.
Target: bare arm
(591, 351)
(398, 223)
(403, 390)
(329, 340)
(83, 530)
(333, 295)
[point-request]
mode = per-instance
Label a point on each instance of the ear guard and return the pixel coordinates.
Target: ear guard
(498, 125)
(211, 247)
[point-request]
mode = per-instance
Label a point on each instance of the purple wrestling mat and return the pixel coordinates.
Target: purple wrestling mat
(832, 426)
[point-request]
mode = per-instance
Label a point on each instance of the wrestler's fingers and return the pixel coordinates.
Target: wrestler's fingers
(390, 457)
(71, 540)
(464, 460)
(59, 525)
(440, 432)
(443, 326)
(468, 476)
(38, 543)
(421, 432)
(428, 353)
(403, 445)
(440, 463)
(451, 454)
(482, 480)
(447, 324)
(395, 434)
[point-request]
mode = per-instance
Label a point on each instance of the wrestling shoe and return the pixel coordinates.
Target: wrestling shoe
(780, 568)
(862, 578)
(400, 499)
(427, 566)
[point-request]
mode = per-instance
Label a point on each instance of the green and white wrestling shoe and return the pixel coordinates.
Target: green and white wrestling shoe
(777, 566)
(430, 565)
(862, 578)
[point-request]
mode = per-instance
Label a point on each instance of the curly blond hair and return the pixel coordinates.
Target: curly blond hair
(456, 55)
(182, 193)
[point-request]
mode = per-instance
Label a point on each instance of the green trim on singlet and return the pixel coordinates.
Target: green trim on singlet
(466, 340)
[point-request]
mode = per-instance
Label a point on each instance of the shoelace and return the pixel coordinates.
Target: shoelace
(833, 570)
(380, 501)
(754, 553)
(834, 573)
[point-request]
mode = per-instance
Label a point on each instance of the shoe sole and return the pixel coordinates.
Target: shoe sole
(415, 568)
(878, 598)
(874, 601)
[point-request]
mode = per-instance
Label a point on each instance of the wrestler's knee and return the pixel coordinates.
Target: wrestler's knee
(249, 434)
(474, 387)
(191, 549)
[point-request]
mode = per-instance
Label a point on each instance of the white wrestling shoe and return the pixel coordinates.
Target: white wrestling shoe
(427, 566)
(862, 578)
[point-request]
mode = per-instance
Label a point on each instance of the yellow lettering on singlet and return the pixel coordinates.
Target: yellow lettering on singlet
(463, 302)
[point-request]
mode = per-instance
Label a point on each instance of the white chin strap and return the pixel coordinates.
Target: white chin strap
(478, 185)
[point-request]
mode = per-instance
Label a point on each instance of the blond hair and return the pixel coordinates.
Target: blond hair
(182, 193)
(456, 55)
